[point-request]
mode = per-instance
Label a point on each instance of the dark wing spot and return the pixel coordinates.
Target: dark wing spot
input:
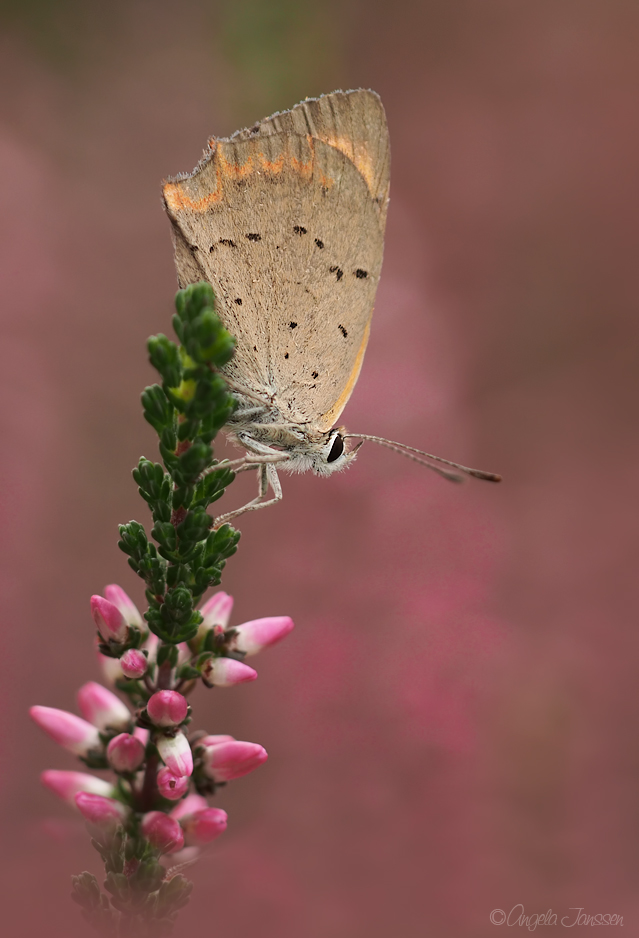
(254, 237)
(314, 374)
(194, 247)
(361, 274)
(255, 348)
(286, 356)
(319, 243)
(299, 230)
(238, 300)
(343, 331)
(292, 325)
(227, 242)
(211, 249)
(338, 273)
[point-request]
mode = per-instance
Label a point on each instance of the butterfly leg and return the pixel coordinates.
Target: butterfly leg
(267, 476)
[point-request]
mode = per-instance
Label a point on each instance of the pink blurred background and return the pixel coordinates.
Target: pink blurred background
(453, 725)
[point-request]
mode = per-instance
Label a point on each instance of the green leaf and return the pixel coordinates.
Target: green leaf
(194, 460)
(212, 487)
(158, 410)
(195, 525)
(165, 358)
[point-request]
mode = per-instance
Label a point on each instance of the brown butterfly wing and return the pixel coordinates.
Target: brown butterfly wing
(286, 221)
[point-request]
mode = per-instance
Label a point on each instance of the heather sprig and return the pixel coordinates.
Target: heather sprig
(154, 813)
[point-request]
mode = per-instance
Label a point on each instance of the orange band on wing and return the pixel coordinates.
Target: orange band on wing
(178, 200)
(327, 420)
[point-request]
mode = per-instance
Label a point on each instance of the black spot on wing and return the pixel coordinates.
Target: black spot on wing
(361, 274)
(228, 242)
(319, 243)
(292, 325)
(298, 229)
(254, 236)
(343, 330)
(286, 355)
(238, 300)
(337, 271)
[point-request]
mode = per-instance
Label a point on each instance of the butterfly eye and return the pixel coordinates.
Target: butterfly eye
(336, 449)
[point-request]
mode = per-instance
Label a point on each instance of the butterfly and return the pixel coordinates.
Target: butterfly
(286, 221)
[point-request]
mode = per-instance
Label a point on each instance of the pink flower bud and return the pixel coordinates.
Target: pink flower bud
(216, 611)
(167, 708)
(66, 785)
(230, 759)
(224, 672)
(203, 826)
(133, 663)
(257, 634)
(116, 595)
(102, 707)
(109, 620)
(176, 754)
(69, 731)
(162, 831)
(189, 805)
(125, 753)
(172, 786)
(107, 813)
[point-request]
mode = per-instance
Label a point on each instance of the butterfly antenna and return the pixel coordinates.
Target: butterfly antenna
(411, 453)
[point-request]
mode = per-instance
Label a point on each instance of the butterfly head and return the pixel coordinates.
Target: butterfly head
(324, 457)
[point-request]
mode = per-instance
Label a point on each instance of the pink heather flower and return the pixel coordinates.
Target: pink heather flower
(116, 595)
(224, 672)
(107, 813)
(167, 708)
(176, 754)
(216, 611)
(102, 707)
(66, 785)
(162, 831)
(189, 805)
(257, 634)
(68, 730)
(125, 753)
(203, 826)
(230, 758)
(109, 620)
(133, 663)
(172, 786)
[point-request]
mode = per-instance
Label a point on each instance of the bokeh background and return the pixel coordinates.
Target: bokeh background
(453, 726)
